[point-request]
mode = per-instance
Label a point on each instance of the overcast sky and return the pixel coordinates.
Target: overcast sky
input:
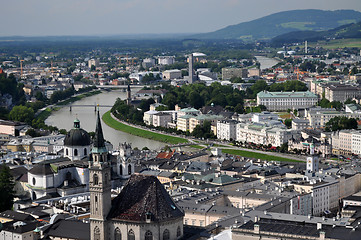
(112, 17)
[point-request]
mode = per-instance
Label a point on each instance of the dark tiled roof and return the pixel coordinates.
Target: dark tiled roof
(143, 195)
(69, 230)
(16, 216)
(41, 169)
(27, 227)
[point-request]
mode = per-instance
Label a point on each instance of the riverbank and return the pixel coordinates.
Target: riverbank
(118, 125)
(47, 111)
(262, 156)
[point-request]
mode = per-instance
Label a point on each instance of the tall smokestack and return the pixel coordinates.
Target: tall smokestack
(306, 47)
(190, 70)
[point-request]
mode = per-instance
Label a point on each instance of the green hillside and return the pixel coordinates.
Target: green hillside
(284, 22)
(349, 31)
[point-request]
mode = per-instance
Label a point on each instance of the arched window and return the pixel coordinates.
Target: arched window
(179, 233)
(75, 152)
(96, 233)
(120, 170)
(129, 169)
(148, 235)
(131, 235)
(85, 152)
(66, 152)
(117, 234)
(34, 196)
(34, 181)
(95, 179)
(166, 234)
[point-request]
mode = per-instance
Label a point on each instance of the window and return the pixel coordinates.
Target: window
(131, 235)
(34, 181)
(120, 170)
(117, 234)
(75, 152)
(179, 233)
(66, 152)
(96, 233)
(166, 234)
(95, 179)
(129, 169)
(85, 151)
(148, 235)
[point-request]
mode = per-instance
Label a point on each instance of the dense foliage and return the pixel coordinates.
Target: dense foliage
(126, 112)
(199, 95)
(9, 85)
(6, 188)
(339, 123)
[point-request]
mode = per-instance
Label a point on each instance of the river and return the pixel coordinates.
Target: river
(266, 62)
(64, 118)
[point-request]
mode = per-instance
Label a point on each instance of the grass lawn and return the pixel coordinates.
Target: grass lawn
(257, 155)
(338, 43)
(141, 132)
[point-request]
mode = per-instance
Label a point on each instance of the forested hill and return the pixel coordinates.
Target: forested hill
(284, 22)
(352, 30)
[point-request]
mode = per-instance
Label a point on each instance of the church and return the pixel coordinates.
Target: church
(142, 210)
(69, 174)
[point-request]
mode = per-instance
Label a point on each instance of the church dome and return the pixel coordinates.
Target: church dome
(77, 136)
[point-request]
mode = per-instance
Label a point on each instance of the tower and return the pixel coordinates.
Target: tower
(129, 95)
(306, 47)
(99, 185)
(312, 160)
(190, 70)
(125, 162)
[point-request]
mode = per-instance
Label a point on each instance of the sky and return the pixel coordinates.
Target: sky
(115, 17)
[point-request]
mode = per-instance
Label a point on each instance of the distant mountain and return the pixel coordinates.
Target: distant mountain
(284, 22)
(352, 30)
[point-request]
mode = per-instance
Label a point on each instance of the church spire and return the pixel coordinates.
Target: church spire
(99, 143)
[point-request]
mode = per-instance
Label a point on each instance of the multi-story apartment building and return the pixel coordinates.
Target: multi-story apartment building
(346, 142)
(201, 118)
(325, 195)
(227, 129)
(261, 134)
(341, 92)
(280, 101)
(228, 73)
(318, 117)
(161, 119)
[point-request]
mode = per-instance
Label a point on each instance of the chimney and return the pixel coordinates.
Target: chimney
(256, 229)
(319, 226)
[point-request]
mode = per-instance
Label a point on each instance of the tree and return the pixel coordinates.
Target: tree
(32, 132)
(22, 114)
(6, 188)
(288, 122)
(339, 123)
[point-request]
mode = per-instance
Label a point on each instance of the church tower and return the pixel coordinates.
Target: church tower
(129, 95)
(99, 186)
(312, 160)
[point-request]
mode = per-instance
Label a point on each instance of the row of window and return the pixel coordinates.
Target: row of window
(76, 152)
(131, 236)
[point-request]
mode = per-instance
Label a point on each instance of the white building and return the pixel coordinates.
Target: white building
(259, 133)
(264, 117)
(227, 129)
(166, 60)
(172, 74)
(148, 116)
(161, 119)
(280, 101)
